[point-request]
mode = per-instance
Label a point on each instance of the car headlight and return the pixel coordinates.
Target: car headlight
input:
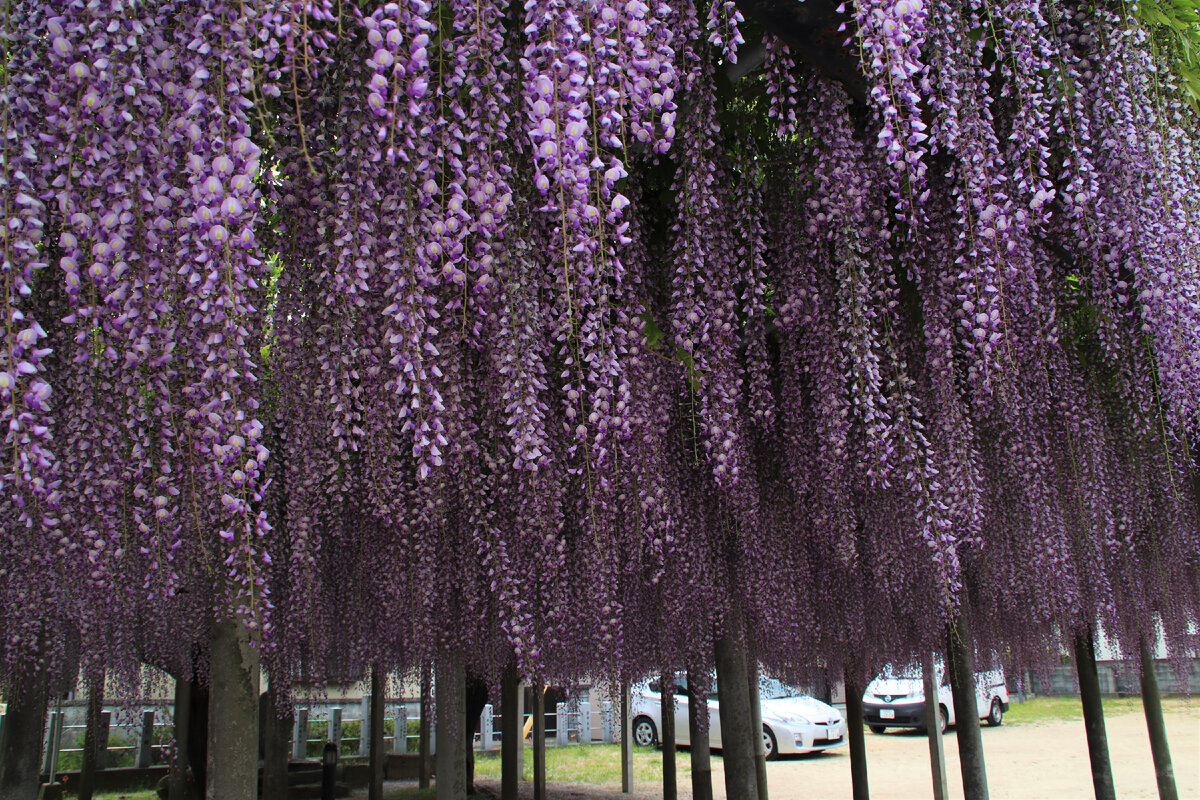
(794, 720)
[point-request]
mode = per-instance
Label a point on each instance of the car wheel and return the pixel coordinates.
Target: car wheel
(943, 716)
(769, 745)
(877, 728)
(644, 732)
(996, 716)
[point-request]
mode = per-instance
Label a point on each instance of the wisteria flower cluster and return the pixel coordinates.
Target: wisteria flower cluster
(394, 329)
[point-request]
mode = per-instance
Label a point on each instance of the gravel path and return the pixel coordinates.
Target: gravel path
(1032, 761)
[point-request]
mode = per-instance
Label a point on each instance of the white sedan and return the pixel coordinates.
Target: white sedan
(792, 722)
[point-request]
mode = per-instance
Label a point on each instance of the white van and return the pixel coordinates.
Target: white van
(896, 699)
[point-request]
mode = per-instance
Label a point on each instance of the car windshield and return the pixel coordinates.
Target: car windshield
(771, 689)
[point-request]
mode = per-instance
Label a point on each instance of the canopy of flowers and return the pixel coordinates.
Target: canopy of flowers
(401, 328)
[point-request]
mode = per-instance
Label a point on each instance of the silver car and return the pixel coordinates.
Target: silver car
(792, 722)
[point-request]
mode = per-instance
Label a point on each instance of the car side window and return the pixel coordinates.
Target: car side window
(654, 686)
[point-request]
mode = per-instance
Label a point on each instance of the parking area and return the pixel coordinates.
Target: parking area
(1030, 761)
(1045, 760)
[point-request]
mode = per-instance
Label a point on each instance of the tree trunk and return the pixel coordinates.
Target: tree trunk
(738, 736)
(667, 708)
(701, 757)
(855, 738)
(377, 758)
(91, 736)
(1093, 716)
(233, 713)
(451, 724)
(1152, 704)
(511, 741)
(276, 752)
(539, 742)
(756, 724)
(933, 729)
(424, 761)
(966, 717)
(21, 739)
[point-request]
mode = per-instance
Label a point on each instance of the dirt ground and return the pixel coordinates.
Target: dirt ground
(1031, 761)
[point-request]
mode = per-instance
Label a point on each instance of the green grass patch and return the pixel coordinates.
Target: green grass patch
(412, 794)
(1051, 709)
(588, 763)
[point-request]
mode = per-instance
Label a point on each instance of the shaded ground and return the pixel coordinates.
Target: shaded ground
(1045, 760)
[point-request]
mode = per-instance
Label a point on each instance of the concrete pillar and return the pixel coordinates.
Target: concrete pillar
(300, 735)
(334, 730)
(232, 714)
(585, 723)
(451, 780)
(53, 742)
(560, 724)
(145, 751)
(487, 729)
(400, 737)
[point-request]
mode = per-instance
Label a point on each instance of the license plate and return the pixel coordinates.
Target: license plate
(887, 713)
(831, 734)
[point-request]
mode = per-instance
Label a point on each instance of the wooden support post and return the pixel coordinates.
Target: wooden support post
(451, 683)
(667, 707)
(1152, 705)
(511, 741)
(738, 738)
(94, 741)
(855, 737)
(275, 731)
(233, 713)
(754, 699)
(961, 652)
(377, 758)
(1093, 716)
(539, 742)
(933, 729)
(177, 783)
(701, 757)
(626, 739)
(423, 740)
(21, 738)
